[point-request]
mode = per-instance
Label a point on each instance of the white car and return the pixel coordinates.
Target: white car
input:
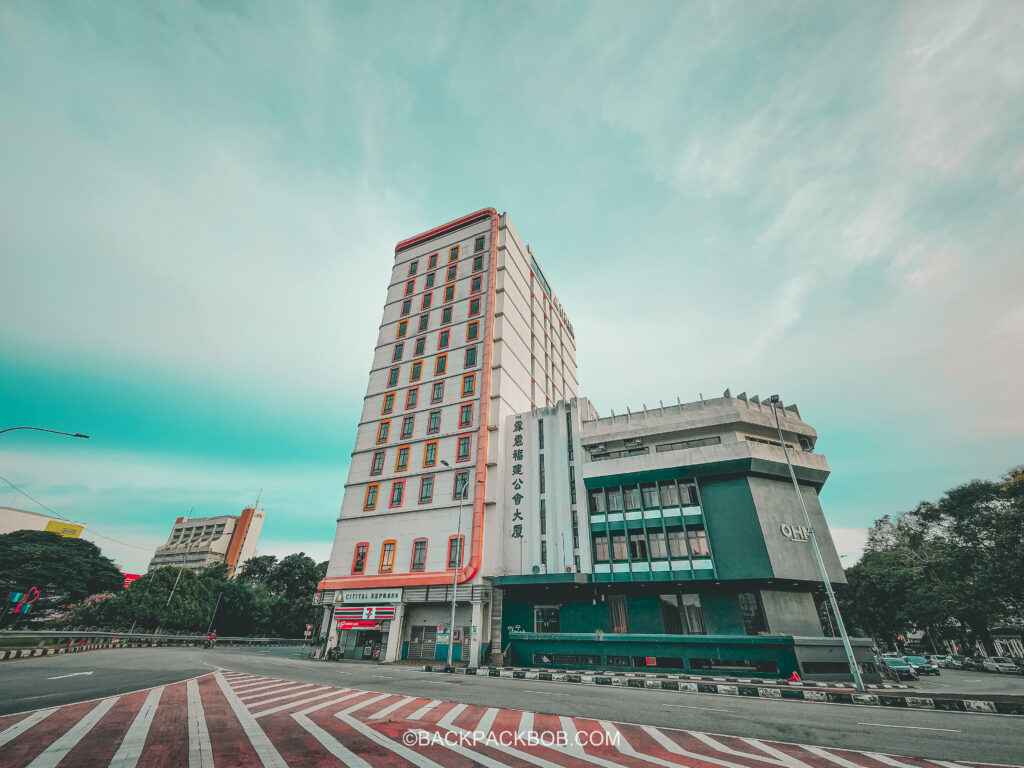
(998, 664)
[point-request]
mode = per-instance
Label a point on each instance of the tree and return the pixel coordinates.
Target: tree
(256, 569)
(65, 570)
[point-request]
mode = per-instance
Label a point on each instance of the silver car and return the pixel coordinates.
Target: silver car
(999, 664)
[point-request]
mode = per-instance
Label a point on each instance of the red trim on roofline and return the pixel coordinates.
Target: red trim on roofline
(454, 224)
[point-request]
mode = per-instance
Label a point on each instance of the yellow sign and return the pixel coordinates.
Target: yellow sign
(67, 530)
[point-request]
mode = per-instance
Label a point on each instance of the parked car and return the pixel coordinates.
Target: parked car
(922, 665)
(898, 668)
(955, 662)
(939, 658)
(998, 664)
(973, 664)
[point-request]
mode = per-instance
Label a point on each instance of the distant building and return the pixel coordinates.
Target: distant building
(199, 542)
(12, 520)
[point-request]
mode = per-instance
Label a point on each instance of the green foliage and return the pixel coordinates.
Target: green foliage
(955, 567)
(65, 570)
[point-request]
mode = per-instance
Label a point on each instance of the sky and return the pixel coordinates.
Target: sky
(199, 203)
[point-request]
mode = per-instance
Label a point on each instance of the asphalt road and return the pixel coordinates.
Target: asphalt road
(30, 684)
(957, 681)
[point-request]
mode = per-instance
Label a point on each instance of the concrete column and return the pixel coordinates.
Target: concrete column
(326, 624)
(394, 649)
(477, 622)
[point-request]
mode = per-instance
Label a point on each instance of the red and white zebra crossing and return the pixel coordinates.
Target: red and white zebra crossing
(232, 719)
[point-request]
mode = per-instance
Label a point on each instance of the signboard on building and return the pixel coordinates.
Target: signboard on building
(356, 612)
(67, 530)
(388, 595)
(517, 478)
(129, 578)
(358, 625)
(795, 532)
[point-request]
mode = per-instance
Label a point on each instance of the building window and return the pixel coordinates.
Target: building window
(387, 556)
(449, 292)
(543, 517)
(440, 364)
(430, 454)
(619, 546)
(426, 489)
(464, 447)
(403, 326)
(453, 253)
(572, 484)
(397, 354)
(473, 331)
(595, 501)
(389, 403)
(419, 555)
(397, 491)
(545, 617)
(698, 539)
(434, 423)
(474, 307)
(468, 384)
(442, 339)
(406, 307)
(753, 613)
(478, 244)
(427, 298)
(470, 357)
(694, 615)
(659, 547)
(575, 531)
(452, 272)
(416, 371)
(460, 487)
(466, 415)
(631, 496)
(446, 315)
(540, 434)
(410, 398)
(432, 261)
(370, 500)
(431, 276)
(478, 263)
(359, 558)
(382, 431)
(410, 287)
(540, 474)
(421, 346)
(600, 547)
(669, 494)
(392, 377)
(402, 460)
(437, 393)
(377, 465)
(407, 427)
(543, 553)
(671, 616)
(649, 495)
(413, 266)
(455, 544)
(424, 322)
(677, 544)
(637, 546)
(476, 284)
(617, 613)
(614, 496)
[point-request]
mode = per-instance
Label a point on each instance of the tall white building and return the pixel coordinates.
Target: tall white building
(471, 333)
(197, 542)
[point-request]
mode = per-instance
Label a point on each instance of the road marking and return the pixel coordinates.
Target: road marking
(437, 682)
(250, 696)
(391, 708)
(304, 692)
(200, 751)
(23, 725)
(784, 757)
(832, 758)
(56, 752)
(127, 755)
(424, 709)
(386, 677)
(690, 706)
(547, 693)
(525, 724)
(622, 744)
(727, 750)
(450, 715)
(73, 674)
(394, 746)
(289, 705)
(914, 727)
(264, 749)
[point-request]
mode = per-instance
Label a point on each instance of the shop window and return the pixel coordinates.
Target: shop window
(397, 492)
(431, 276)
(359, 557)
(377, 465)
(617, 613)
(764, 666)
(470, 357)
(389, 403)
(426, 489)
(382, 431)
(370, 501)
(698, 539)
(430, 454)
(419, 555)
(410, 287)
(463, 448)
(466, 415)
(455, 545)
(407, 423)
(403, 326)
(410, 397)
(402, 459)
(661, 662)
(546, 619)
(753, 613)
(473, 331)
(432, 261)
(387, 556)
(434, 423)
(442, 339)
(441, 364)
(468, 384)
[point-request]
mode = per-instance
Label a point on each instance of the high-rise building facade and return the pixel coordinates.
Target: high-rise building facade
(471, 333)
(198, 542)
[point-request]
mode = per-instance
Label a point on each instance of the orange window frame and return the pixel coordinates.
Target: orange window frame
(367, 503)
(398, 458)
(453, 253)
(449, 292)
(473, 331)
(426, 446)
(391, 499)
(451, 273)
(355, 556)
(412, 557)
(469, 378)
(385, 427)
(386, 407)
(441, 364)
(432, 261)
(416, 371)
(383, 553)
(403, 327)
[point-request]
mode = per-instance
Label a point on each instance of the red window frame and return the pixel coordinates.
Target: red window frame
(469, 453)
(478, 263)
(444, 338)
(383, 552)
(427, 445)
(411, 421)
(410, 287)
(474, 306)
(473, 331)
(373, 461)
(453, 253)
(471, 378)
(414, 266)
(429, 281)
(428, 297)
(399, 350)
(476, 284)
(424, 323)
(419, 498)
(451, 273)
(441, 364)
(355, 556)
(432, 261)
(367, 505)
(462, 409)
(412, 559)
(462, 552)
(406, 307)
(391, 498)
(430, 418)
(385, 426)
(479, 243)
(434, 389)
(414, 393)
(446, 315)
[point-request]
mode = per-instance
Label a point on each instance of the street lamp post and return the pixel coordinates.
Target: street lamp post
(51, 431)
(817, 554)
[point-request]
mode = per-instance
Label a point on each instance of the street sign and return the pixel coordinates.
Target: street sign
(442, 627)
(309, 628)
(457, 638)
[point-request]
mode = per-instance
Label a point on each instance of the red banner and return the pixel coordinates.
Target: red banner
(129, 578)
(357, 624)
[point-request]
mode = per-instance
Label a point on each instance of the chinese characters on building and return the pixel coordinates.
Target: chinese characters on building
(517, 478)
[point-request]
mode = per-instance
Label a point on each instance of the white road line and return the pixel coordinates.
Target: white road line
(73, 674)
(296, 694)
(56, 752)
(546, 693)
(391, 708)
(267, 753)
(484, 726)
(525, 724)
(482, 759)
(727, 750)
(325, 704)
(914, 727)
(669, 745)
(330, 743)
(437, 682)
(787, 759)
(386, 677)
(885, 759)
(261, 687)
(691, 706)
(127, 755)
(842, 761)
(9, 734)
(200, 751)
(289, 705)
(419, 713)
(450, 715)
(250, 696)
(395, 746)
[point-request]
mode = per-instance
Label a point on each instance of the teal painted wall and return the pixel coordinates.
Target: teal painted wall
(643, 616)
(585, 617)
(722, 615)
(734, 531)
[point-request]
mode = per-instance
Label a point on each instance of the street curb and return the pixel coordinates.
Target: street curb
(27, 653)
(746, 687)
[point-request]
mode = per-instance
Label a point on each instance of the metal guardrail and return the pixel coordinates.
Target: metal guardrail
(168, 637)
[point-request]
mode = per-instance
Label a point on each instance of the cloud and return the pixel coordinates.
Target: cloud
(849, 543)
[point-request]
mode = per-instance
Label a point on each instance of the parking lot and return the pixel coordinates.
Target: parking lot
(960, 681)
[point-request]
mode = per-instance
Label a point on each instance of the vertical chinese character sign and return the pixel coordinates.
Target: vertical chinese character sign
(518, 484)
